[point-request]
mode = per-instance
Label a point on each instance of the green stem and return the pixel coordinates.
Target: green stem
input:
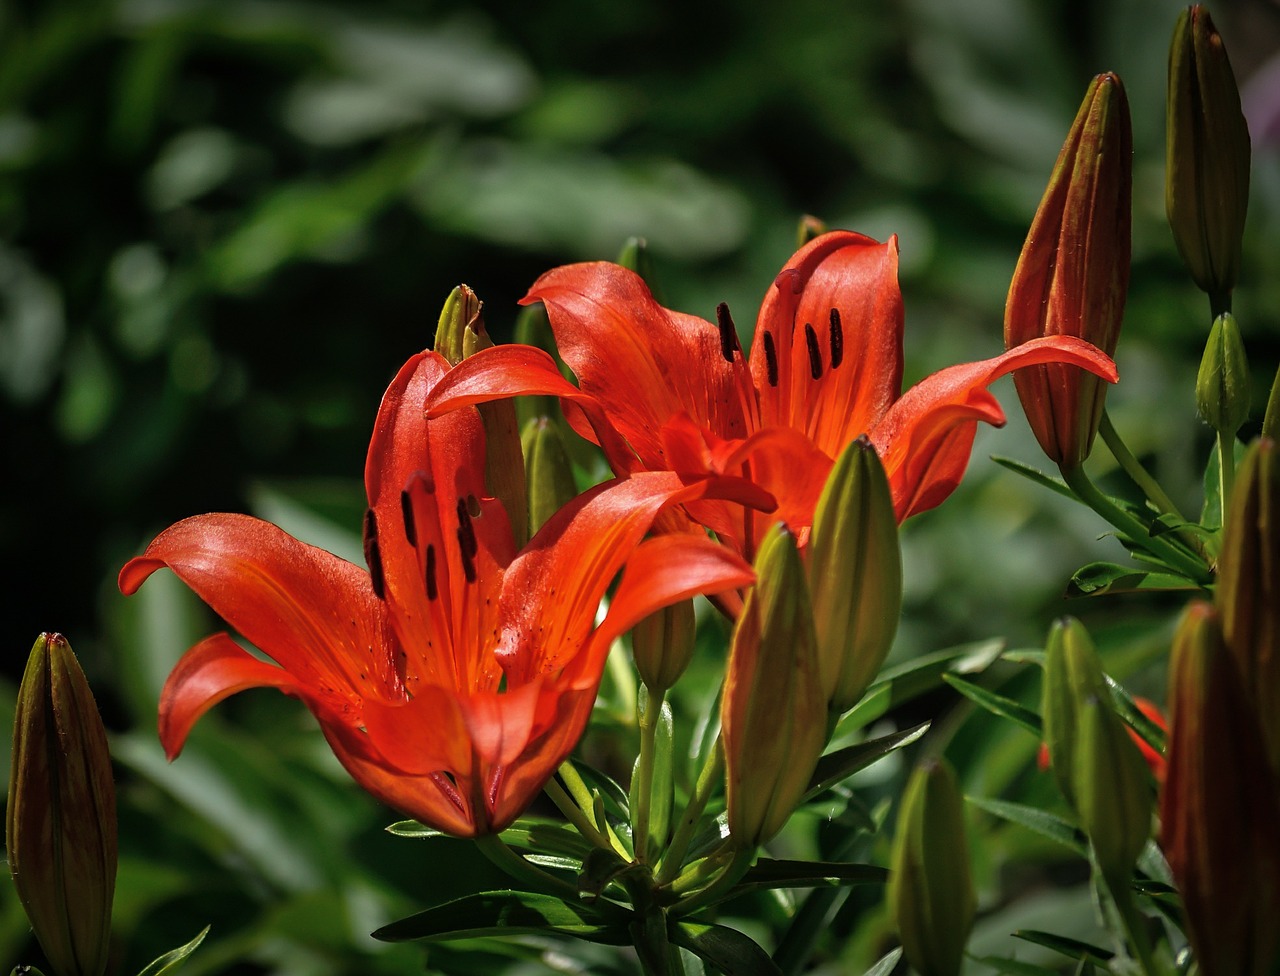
(576, 815)
(1175, 558)
(1226, 467)
(649, 708)
(591, 804)
(712, 771)
(713, 892)
(1134, 469)
(1134, 924)
(496, 850)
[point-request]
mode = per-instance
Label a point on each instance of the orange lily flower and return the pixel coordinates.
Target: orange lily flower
(454, 675)
(664, 391)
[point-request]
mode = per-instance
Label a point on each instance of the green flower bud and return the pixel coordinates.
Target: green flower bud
(1113, 789)
(774, 714)
(1072, 674)
(930, 891)
(61, 819)
(663, 645)
(1072, 277)
(1222, 386)
(1271, 419)
(1248, 592)
(461, 315)
(1219, 807)
(808, 228)
(855, 574)
(636, 256)
(1206, 155)
(548, 471)
(460, 334)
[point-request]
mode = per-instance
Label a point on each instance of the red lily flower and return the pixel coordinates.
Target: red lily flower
(664, 391)
(455, 675)
(1155, 760)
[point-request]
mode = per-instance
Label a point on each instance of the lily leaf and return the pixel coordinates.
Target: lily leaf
(171, 960)
(1147, 730)
(1033, 474)
(509, 913)
(1014, 967)
(915, 678)
(599, 869)
(1097, 579)
(999, 704)
(769, 873)
(615, 797)
(837, 766)
(1035, 820)
(1071, 948)
(885, 964)
(728, 950)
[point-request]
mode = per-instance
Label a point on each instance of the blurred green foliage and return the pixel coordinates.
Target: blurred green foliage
(223, 225)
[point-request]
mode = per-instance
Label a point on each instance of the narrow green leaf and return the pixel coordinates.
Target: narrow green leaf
(172, 960)
(728, 950)
(1128, 709)
(413, 829)
(599, 869)
(885, 965)
(615, 797)
(1034, 819)
(1071, 948)
(769, 873)
(491, 913)
(917, 677)
(999, 704)
(1014, 967)
(1039, 477)
(25, 971)
(1097, 579)
(838, 765)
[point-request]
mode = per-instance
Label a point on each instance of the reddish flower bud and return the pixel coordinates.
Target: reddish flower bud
(60, 823)
(1249, 584)
(1073, 275)
(1219, 807)
(1206, 155)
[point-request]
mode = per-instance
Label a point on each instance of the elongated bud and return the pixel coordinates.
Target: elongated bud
(1271, 419)
(1222, 386)
(930, 889)
(1113, 789)
(663, 645)
(774, 714)
(855, 574)
(808, 228)
(636, 256)
(1206, 156)
(1219, 807)
(548, 471)
(61, 819)
(1073, 275)
(1248, 591)
(461, 315)
(1072, 674)
(461, 333)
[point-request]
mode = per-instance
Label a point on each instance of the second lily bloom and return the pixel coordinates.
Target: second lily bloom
(664, 391)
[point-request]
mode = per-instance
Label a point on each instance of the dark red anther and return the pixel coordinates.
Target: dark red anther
(771, 359)
(837, 339)
(815, 354)
(372, 555)
(728, 333)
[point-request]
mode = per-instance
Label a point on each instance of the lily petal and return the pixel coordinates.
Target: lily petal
(314, 613)
(925, 439)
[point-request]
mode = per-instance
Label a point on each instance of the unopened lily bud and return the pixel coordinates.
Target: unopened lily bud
(1219, 807)
(636, 256)
(1206, 155)
(61, 818)
(1073, 275)
(663, 644)
(855, 573)
(930, 890)
(1271, 419)
(1113, 789)
(1248, 592)
(808, 228)
(1222, 385)
(461, 333)
(548, 471)
(1072, 675)
(774, 714)
(461, 314)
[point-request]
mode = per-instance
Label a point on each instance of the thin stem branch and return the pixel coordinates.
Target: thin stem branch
(649, 709)
(1134, 469)
(576, 815)
(711, 773)
(1226, 468)
(500, 853)
(1175, 558)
